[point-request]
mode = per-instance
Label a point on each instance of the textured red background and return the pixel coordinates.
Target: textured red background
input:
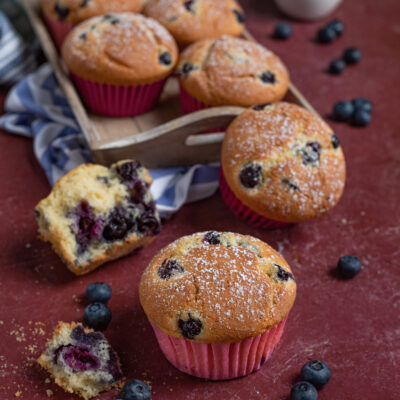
(352, 325)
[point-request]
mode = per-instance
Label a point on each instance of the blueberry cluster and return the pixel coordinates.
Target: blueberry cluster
(357, 112)
(97, 315)
(314, 375)
(351, 56)
(330, 32)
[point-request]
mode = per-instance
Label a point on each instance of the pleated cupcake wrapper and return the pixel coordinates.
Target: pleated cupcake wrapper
(242, 211)
(220, 361)
(118, 101)
(190, 104)
(58, 29)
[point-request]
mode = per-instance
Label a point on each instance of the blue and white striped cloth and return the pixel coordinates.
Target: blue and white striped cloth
(16, 58)
(36, 107)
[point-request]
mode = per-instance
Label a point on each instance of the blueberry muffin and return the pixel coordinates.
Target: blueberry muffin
(190, 21)
(62, 15)
(120, 62)
(96, 214)
(217, 288)
(231, 71)
(81, 361)
(281, 162)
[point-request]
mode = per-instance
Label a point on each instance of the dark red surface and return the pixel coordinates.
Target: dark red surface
(352, 325)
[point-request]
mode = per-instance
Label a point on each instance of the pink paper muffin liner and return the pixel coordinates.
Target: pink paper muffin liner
(242, 211)
(190, 104)
(58, 29)
(220, 361)
(118, 101)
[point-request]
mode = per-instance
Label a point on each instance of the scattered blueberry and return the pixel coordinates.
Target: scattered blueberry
(135, 390)
(283, 31)
(165, 58)
(98, 292)
(250, 176)
(337, 66)
(316, 372)
(362, 104)
(337, 26)
(303, 391)
(240, 17)
(352, 55)
(97, 316)
(190, 328)
(168, 268)
(326, 35)
(343, 110)
(268, 77)
(349, 266)
(212, 237)
(361, 118)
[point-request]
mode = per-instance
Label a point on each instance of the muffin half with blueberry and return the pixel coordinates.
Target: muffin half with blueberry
(81, 361)
(95, 214)
(190, 21)
(281, 164)
(120, 62)
(230, 71)
(217, 302)
(62, 15)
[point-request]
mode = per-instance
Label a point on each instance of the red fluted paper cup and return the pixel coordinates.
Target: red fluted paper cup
(58, 29)
(244, 212)
(220, 361)
(118, 101)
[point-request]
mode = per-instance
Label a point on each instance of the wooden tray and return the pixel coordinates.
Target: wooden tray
(160, 138)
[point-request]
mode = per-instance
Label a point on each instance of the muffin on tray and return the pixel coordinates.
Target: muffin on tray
(218, 303)
(120, 62)
(62, 15)
(190, 21)
(281, 164)
(96, 214)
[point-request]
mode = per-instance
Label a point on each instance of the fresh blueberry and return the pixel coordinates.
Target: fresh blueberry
(352, 55)
(135, 390)
(98, 292)
(97, 316)
(316, 372)
(337, 26)
(361, 118)
(283, 31)
(343, 110)
(362, 104)
(349, 266)
(190, 328)
(336, 67)
(303, 391)
(168, 268)
(212, 237)
(326, 35)
(335, 142)
(268, 77)
(250, 176)
(240, 17)
(165, 58)
(61, 10)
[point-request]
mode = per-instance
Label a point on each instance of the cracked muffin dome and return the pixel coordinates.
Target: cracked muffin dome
(95, 214)
(76, 11)
(122, 49)
(190, 21)
(283, 162)
(232, 71)
(217, 287)
(80, 360)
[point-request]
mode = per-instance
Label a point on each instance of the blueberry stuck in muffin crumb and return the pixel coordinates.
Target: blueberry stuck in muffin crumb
(190, 327)
(250, 175)
(169, 268)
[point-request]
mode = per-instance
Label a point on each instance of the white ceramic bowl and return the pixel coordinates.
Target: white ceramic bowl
(307, 9)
